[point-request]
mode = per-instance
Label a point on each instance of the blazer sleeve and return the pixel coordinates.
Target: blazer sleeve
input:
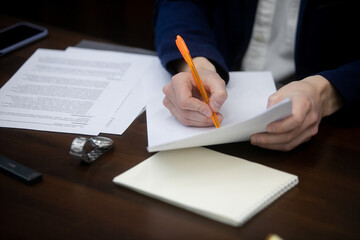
(346, 79)
(191, 20)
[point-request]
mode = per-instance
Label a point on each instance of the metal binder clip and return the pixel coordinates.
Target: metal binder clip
(90, 149)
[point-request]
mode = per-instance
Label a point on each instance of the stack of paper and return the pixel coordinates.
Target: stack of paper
(244, 113)
(75, 91)
(221, 187)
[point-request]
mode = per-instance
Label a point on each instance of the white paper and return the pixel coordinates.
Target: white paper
(244, 114)
(221, 187)
(71, 92)
(133, 104)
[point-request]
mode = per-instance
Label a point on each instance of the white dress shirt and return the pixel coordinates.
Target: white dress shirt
(272, 42)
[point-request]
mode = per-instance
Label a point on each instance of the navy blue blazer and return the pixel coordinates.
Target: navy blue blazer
(327, 39)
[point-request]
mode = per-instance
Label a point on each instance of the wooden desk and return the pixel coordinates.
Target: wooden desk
(79, 201)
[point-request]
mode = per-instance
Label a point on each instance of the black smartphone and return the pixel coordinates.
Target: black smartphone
(19, 35)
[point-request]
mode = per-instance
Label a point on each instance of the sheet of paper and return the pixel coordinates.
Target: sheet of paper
(224, 188)
(244, 113)
(133, 104)
(130, 108)
(71, 92)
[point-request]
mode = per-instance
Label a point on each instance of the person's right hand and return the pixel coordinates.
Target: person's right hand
(184, 101)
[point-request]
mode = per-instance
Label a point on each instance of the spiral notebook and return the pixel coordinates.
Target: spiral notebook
(221, 187)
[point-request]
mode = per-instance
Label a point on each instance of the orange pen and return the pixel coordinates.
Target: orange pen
(186, 55)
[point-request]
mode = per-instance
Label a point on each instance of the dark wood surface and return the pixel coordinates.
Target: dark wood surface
(79, 201)
(125, 21)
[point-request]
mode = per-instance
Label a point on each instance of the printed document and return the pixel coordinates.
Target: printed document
(134, 103)
(70, 92)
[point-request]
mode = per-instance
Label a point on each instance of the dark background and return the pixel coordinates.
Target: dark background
(126, 22)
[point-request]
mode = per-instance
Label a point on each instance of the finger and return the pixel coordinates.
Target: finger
(179, 92)
(309, 127)
(184, 114)
(217, 88)
(288, 90)
(188, 117)
(285, 141)
(179, 87)
(301, 111)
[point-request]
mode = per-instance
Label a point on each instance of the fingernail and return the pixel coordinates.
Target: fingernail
(207, 113)
(215, 106)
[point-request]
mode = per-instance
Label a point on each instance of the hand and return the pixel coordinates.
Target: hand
(313, 98)
(184, 101)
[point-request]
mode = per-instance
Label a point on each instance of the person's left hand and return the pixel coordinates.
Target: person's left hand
(313, 98)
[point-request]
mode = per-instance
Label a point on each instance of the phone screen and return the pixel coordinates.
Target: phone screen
(19, 35)
(16, 34)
